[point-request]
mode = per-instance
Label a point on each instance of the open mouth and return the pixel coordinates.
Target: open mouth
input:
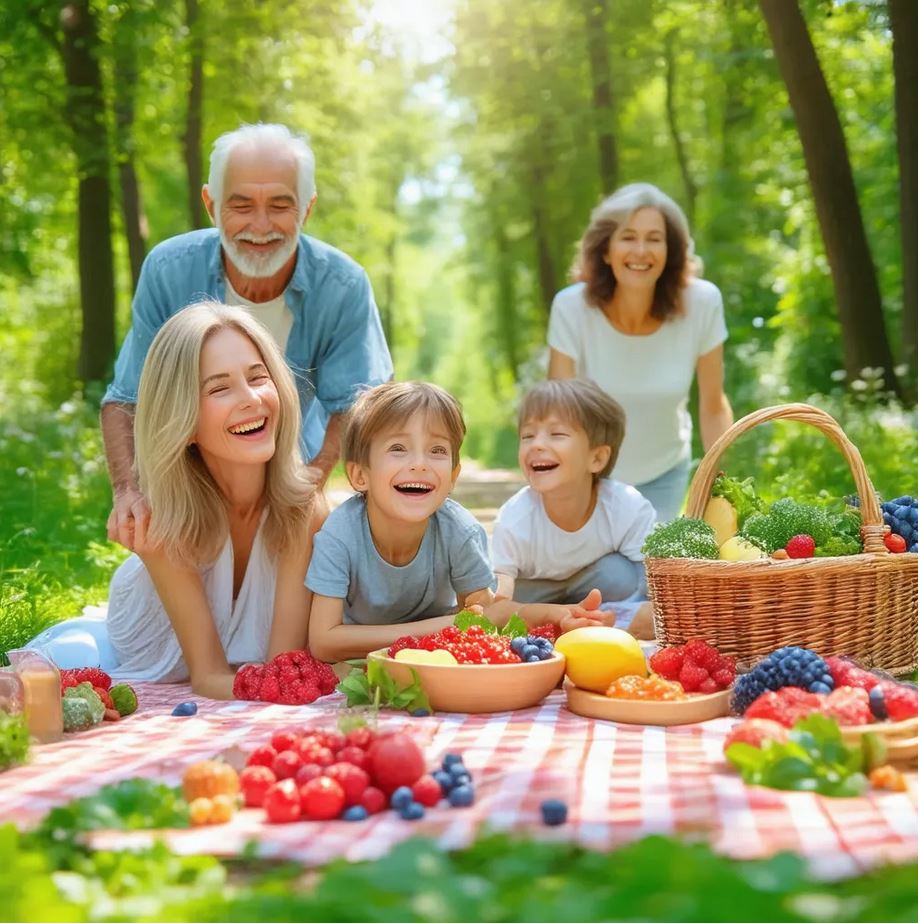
(250, 428)
(414, 488)
(638, 267)
(543, 466)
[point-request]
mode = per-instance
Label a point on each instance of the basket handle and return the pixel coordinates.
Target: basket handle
(872, 528)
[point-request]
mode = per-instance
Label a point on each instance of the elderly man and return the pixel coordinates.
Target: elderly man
(316, 301)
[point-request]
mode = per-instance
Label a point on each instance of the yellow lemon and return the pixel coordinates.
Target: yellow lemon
(408, 655)
(598, 656)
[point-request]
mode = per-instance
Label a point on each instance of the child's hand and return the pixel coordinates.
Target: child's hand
(578, 617)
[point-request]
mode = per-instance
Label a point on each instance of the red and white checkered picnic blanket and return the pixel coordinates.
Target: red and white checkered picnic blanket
(621, 783)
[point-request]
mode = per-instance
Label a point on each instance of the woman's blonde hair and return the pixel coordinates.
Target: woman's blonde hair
(188, 512)
(591, 267)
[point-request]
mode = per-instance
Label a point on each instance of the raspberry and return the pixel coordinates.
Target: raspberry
(247, 682)
(702, 654)
(800, 546)
(901, 700)
(848, 706)
(847, 673)
(548, 630)
(709, 686)
(691, 676)
(92, 675)
(321, 799)
(667, 662)
(406, 642)
(755, 731)
(786, 706)
(270, 689)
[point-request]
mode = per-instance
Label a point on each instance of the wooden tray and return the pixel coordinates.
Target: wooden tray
(634, 711)
(901, 737)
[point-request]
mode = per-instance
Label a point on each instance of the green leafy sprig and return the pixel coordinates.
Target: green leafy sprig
(14, 740)
(373, 686)
(814, 758)
(515, 626)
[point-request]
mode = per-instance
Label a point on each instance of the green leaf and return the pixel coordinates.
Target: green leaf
(464, 620)
(515, 627)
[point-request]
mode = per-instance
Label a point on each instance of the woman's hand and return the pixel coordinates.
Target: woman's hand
(214, 685)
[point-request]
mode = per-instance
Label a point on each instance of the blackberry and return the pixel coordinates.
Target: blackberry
(901, 515)
(787, 666)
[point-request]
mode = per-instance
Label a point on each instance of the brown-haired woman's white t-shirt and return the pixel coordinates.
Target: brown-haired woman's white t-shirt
(650, 376)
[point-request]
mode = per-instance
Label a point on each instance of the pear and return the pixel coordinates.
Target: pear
(720, 515)
(739, 549)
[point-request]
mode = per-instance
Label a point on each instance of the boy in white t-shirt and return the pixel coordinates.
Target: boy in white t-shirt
(572, 529)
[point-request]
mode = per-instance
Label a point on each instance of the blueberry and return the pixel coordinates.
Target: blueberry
(534, 658)
(411, 811)
(518, 643)
(878, 703)
(820, 687)
(530, 650)
(445, 780)
(544, 643)
(400, 797)
(450, 759)
(456, 769)
(185, 710)
(461, 796)
(420, 713)
(554, 812)
(462, 779)
(904, 501)
(355, 812)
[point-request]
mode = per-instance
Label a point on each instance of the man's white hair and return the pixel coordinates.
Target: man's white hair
(264, 135)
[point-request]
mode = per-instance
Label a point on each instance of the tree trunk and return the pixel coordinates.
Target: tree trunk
(854, 277)
(596, 13)
(191, 139)
(85, 114)
(688, 182)
(903, 18)
(132, 216)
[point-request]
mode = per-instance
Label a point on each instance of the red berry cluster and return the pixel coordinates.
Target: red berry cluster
(900, 700)
(474, 645)
(322, 775)
(549, 630)
(92, 675)
(697, 665)
(293, 678)
(848, 705)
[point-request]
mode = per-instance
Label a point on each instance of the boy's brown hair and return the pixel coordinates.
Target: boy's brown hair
(583, 403)
(389, 404)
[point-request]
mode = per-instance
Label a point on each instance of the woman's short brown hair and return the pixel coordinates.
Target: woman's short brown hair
(389, 404)
(583, 403)
(590, 265)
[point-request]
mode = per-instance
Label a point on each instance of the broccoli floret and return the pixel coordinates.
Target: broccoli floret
(784, 520)
(681, 538)
(838, 546)
(85, 692)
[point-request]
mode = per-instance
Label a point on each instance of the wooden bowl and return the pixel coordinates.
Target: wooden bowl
(901, 737)
(479, 688)
(635, 711)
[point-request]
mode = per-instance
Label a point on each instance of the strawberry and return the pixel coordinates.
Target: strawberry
(92, 675)
(282, 802)
(353, 755)
(284, 740)
(103, 694)
(352, 779)
(307, 772)
(755, 731)
(901, 700)
(786, 706)
(286, 764)
(847, 673)
(255, 782)
(800, 546)
(848, 705)
(894, 543)
(321, 799)
(262, 756)
(362, 737)
(395, 760)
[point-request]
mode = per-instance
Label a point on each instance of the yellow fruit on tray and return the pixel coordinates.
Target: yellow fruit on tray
(738, 549)
(411, 655)
(720, 515)
(209, 778)
(596, 657)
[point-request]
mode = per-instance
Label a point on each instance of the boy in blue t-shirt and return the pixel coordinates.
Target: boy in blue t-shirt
(401, 551)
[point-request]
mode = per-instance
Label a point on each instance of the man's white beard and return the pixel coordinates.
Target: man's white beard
(258, 265)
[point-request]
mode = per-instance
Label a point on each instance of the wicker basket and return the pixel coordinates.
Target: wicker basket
(864, 605)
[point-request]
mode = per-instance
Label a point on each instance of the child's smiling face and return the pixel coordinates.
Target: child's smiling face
(410, 471)
(556, 453)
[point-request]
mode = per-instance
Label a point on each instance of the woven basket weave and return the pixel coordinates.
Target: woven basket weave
(864, 606)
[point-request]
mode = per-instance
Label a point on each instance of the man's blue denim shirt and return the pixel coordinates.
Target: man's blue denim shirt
(336, 345)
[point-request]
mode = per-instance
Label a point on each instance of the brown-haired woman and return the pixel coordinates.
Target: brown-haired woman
(641, 324)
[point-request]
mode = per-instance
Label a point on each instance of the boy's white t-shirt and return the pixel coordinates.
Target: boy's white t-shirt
(650, 376)
(527, 545)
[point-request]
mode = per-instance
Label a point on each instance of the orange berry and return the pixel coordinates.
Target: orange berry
(208, 778)
(888, 777)
(199, 811)
(651, 688)
(223, 807)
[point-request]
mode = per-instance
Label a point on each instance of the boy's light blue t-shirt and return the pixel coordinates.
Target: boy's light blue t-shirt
(453, 558)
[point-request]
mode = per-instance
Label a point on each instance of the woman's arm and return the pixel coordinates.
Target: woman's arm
(292, 599)
(330, 639)
(714, 410)
(560, 365)
(182, 594)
